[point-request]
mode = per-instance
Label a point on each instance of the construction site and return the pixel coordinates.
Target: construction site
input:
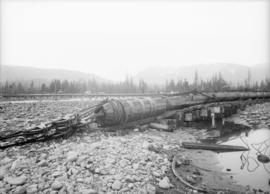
(196, 142)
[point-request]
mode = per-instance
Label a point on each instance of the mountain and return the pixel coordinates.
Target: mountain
(233, 73)
(24, 74)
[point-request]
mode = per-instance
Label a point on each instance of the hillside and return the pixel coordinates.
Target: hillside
(23, 73)
(233, 73)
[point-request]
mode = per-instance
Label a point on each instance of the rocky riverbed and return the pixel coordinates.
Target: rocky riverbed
(103, 162)
(20, 115)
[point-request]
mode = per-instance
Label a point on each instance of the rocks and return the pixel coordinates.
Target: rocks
(2, 154)
(116, 185)
(16, 180)
(3, 172)
(62, 191)
(88, 191)
(130, 185)
(135, 166)
(88, 180)
(154, 148)
(190, 179)
(57, 174)
(69, 188)
(57, 185)
(145, 145)
(164, 183)
(43, 156)
(5, 161)
(117, 177)
(156, 174)
(43, 163)
(94, 162)
(32, 189)
(150, 189)
(80, 180)
(123, 163)
(3, 191)
(129, 179)
(17, 164)
(20, 190)
(72, 156)
(220, 192)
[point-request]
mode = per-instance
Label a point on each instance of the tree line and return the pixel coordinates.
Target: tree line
(216, 83)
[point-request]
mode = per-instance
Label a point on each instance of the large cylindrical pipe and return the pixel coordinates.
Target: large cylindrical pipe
(121, 111)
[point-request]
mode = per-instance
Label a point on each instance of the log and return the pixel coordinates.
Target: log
(159, 126)
(213, 147)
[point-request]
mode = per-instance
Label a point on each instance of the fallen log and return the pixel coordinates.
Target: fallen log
(213, 147)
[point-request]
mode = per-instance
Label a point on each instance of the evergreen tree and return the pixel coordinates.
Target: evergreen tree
(142, 86)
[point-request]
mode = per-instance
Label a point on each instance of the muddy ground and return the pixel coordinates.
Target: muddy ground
(130, 161)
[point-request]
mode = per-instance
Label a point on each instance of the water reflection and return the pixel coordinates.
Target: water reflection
(247, 169)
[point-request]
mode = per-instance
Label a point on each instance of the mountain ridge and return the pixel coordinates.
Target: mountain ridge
(233, 73)
(156, 75)
(26, 73)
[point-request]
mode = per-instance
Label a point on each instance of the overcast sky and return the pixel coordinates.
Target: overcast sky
(112, 39)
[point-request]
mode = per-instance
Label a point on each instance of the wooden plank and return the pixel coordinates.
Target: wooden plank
(159, 126)
(213, 147)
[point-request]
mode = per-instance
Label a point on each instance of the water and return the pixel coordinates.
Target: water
(250, 171)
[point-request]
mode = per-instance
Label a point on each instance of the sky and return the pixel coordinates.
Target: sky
(116, 38)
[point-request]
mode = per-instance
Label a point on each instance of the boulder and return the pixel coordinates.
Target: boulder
(2, 172)
(57, 185)
(150, 189)
(116, 185)
(5, 161)
(88, 191)
(72, 156)
(16, 180)
(164, 183)
(43, 163)
(20, 190)
(32, 189)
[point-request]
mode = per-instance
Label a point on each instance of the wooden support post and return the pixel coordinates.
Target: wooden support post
(188, 117)
(222, 115)
(179, 119)
(204, 113)
(223, 121)
(213, 120)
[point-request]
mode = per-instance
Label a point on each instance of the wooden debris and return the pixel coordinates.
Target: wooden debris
(159, 126)
(263, 158)
(213, 147)
(182, 180)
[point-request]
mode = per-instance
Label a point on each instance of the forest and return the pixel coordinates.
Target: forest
(216, 83)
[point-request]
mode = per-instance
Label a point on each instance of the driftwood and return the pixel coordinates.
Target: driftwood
(213, 147)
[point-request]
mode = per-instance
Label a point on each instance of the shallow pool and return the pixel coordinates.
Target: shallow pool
(244, 166)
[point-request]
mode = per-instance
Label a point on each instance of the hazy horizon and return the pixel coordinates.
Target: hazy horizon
(113, 39)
